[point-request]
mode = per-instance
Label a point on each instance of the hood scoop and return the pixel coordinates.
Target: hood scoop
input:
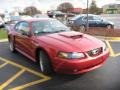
(72, 34)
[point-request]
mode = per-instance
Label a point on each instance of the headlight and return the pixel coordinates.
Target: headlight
(71, 55)
(71, 22)
(112, 23)
(104, 47)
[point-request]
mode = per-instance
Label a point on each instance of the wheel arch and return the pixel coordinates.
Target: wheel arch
(112, 26)
(37, 53)
(9, 38)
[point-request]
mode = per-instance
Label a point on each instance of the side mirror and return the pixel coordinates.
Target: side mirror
(25, 32)
(28, 34)
(102, 20)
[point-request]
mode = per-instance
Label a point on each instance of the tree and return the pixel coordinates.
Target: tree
(93, 8)
(31, 11)
(65, 7)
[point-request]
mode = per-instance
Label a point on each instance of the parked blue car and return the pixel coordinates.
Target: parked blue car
(79, 22)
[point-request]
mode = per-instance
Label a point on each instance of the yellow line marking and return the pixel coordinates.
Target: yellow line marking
(20, 66)
(110, 48)
(116, 40)
(45, 78)
(4, 64)
(118, 54)
(113, 54)
(113, 38)
(29, 84)
(11, 79)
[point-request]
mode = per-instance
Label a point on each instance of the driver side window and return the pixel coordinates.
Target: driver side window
(90, 18)
(22, 27)
(96, 18)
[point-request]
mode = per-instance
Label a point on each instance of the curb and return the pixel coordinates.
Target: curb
(113, 38)
(108, 38)
(3, 40)
(100, 37)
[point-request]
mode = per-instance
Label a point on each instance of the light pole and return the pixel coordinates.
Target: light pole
(87, 26)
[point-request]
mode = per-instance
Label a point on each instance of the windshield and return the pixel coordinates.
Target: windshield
(48, 26)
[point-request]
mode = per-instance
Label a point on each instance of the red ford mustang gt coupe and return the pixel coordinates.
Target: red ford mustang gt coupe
(56, 47)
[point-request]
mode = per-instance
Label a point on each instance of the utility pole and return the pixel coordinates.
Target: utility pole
(87, 15)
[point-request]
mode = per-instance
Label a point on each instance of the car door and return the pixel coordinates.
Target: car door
(22, 39)
(18, 35)
(99, 21)
(91, 22)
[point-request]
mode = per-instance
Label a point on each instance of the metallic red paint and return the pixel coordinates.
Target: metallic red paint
(80, 66)
(70, 41)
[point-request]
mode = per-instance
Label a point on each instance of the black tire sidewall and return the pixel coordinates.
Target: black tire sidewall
(80, 28)
(111, 27)
(45, 62)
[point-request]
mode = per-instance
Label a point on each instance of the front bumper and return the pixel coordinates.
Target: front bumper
(1, 24)
(79, 66)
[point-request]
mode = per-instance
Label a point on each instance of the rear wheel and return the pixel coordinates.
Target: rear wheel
(11, 46)
(109, 27)
(44, 62)
(81, 29)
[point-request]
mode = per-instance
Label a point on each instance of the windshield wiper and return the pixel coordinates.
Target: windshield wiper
(40, 33)
(62, 30)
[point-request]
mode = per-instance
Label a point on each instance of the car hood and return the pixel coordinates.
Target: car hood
(71, 41)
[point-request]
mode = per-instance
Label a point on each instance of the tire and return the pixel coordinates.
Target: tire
(11, 46)
(81, 29)
(44, 62)
(109, 27)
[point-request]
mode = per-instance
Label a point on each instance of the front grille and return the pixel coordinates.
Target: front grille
(95, 52)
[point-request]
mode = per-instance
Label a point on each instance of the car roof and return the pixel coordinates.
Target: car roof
(36, 19)
(81, 15)
(40, 16)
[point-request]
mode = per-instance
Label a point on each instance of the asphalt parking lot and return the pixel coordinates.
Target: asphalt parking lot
(19, 73)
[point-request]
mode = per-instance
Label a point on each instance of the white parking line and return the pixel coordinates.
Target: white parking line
(3, 40)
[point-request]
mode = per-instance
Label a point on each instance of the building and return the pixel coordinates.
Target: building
(111, 9)
(76, 10)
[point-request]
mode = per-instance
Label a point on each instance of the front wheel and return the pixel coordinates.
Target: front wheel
(44, 62)
(81, 29)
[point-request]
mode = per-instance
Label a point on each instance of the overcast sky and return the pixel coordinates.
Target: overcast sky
(10, 5)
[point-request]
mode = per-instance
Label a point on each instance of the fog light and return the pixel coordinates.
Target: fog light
(75, 70)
